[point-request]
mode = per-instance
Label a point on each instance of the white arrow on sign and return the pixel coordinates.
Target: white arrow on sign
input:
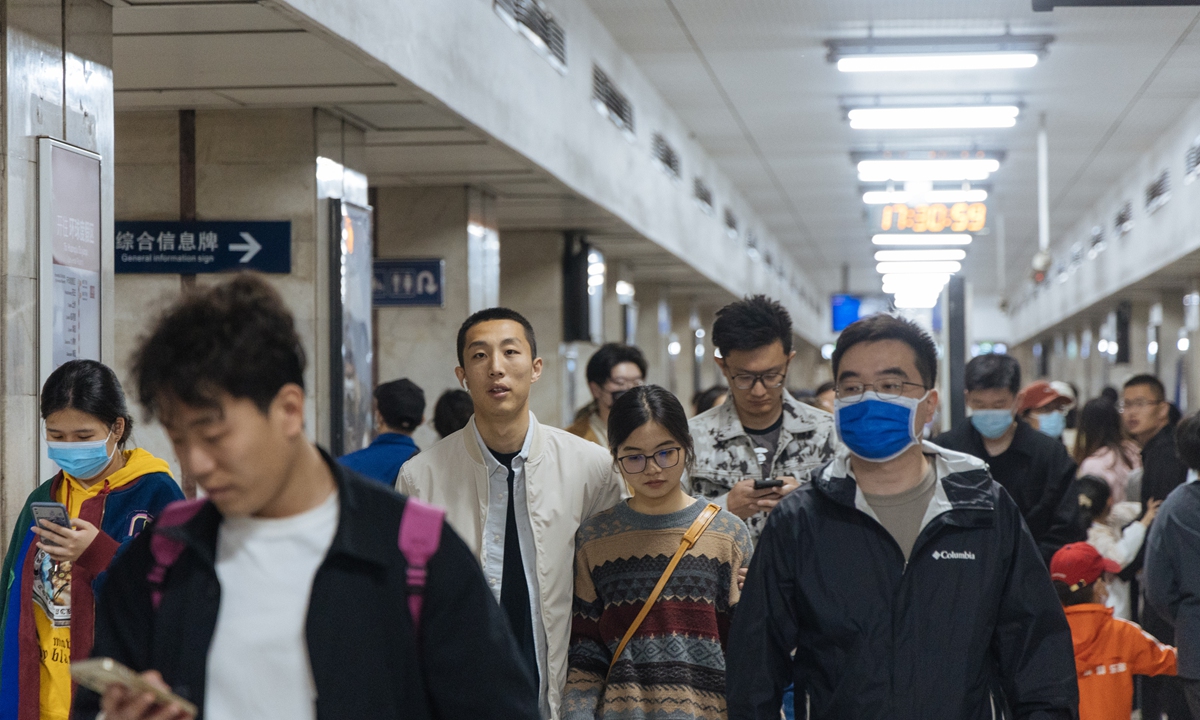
(250, 247)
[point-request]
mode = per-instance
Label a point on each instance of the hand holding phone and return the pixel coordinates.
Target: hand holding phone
(51, 512)
(125, 695)
(768, 483)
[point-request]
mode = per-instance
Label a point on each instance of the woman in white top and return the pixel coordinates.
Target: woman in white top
(1112, 530)
(1102, 449)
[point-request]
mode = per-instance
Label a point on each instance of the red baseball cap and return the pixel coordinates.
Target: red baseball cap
(1038, 395)
(1079, 565)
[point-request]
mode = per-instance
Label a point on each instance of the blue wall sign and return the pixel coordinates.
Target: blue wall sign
(409, 283)
(203, 247)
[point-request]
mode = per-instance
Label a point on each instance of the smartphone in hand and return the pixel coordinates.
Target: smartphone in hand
(98, 674)
(768, 483)
(51, 512)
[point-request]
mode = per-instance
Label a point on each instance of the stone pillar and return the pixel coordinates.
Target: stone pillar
(58, 65)
(531, 283)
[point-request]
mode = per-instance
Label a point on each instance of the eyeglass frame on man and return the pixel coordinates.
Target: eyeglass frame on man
(756, 378)
(647, 458)
(850, 398)
(1138, 404)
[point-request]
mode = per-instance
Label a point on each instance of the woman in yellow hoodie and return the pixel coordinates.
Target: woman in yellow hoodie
(52, 574)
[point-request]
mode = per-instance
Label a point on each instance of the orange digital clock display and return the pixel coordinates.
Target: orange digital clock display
(959, 217)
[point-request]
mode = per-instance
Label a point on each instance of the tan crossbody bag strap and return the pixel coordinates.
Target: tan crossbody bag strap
(699, 525)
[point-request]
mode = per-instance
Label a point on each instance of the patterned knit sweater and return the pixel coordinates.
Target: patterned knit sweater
(674, 667)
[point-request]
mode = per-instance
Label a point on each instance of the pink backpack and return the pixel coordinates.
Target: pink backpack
(419, 538)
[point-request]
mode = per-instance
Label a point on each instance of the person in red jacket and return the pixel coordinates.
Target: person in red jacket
(1108, 651)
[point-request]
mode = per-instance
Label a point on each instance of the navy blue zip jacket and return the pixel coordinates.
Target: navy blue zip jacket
(970, 628)
(366, 659)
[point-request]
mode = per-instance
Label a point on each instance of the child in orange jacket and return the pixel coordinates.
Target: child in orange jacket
(1108, 651)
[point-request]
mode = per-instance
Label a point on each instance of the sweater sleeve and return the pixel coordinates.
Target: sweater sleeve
(1147, 656)
(589, 656)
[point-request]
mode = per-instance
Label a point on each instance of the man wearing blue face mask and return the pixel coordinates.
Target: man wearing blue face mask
(1032, 466)
(902, 575)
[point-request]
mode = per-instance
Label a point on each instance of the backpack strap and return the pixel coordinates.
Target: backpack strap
(420, 536)
(166, 550)
(699, 525)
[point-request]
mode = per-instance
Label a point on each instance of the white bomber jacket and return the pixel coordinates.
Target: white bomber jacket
(568, 480)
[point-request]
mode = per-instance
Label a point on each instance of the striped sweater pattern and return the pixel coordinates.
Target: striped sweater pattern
(674, 667)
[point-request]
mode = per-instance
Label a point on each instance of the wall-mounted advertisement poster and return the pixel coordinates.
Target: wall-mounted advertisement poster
(352, 360)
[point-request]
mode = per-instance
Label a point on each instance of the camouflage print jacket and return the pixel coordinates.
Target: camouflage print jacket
(725, 454)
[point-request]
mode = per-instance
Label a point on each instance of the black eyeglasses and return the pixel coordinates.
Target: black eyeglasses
(770, 380)
(664, 459)
(853, 391)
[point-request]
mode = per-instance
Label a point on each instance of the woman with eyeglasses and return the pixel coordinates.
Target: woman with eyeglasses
(673, 663)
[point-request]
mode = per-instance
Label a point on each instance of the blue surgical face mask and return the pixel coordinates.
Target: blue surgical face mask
(875, 429)
(81, 460)
(1052, 423)
(992, 423)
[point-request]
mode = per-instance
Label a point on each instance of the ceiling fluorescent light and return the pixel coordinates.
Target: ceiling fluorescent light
(913, 239)
(934, 118)
(916, 280)
(916, 301)
(904, 255)
(934, 170)
(884, 268)
(885, 197)
(938, 62)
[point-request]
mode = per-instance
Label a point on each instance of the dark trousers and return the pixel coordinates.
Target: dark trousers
(1163, 695)
(1191, 689)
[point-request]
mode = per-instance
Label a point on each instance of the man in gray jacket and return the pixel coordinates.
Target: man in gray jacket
(762, 444)
(1173, 562)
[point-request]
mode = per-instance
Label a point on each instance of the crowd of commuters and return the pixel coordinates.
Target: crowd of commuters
(799, 554)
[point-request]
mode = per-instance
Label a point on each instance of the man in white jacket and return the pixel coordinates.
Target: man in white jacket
(516, 491)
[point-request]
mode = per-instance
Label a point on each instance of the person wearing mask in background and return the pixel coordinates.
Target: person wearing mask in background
(1034, 468)
(399, 411)
(1115, 531)
(903, 575)
(1045, 409)
(1147, 415)
(452, 411)
(1109, 650)
(706, 400)
(286, 594)
(517, 491)
(672, 664)
(1103, 449)
(51, 573)
(825, 395)
(612, 370)
(753, 451)
(1172, 576)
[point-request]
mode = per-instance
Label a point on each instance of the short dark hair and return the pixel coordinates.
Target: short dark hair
(401, 403)
(706, 400)
(752, 323)
(1149, 380)
(1081, 596)
(644, 404)
(236, 337)
(452, 411)
(888, 327)
(1109, 393)
(825, 387)
(610, 355)
(1187, 441)
(488, 315)
(994, 372)
(90, 387)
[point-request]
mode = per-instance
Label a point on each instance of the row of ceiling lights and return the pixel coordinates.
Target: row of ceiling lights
(915, 278)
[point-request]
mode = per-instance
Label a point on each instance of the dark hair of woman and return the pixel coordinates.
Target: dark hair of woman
(706, 399)
(645, 404)
(1093, 494)
(89, 387)
(1100, 427)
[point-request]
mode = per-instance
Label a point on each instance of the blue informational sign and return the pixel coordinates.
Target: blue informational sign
(203, 247)
(409, 283)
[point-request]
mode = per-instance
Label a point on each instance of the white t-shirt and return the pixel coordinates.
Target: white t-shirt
(258, 664)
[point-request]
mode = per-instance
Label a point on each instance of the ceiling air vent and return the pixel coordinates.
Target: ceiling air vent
(1123, 223)
(1098, 243)
(703, 195)
(752, 245)
(731, 228)
(1158, 193)
(611, 102)
(666, 155)
(531, 19)
(1191, 162)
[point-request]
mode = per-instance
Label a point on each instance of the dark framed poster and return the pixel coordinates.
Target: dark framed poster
(351, 349)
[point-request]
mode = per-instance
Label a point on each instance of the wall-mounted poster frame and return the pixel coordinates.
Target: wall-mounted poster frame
(351, 350)
(70, 256)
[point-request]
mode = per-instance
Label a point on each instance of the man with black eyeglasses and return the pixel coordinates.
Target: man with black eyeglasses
(754, 450)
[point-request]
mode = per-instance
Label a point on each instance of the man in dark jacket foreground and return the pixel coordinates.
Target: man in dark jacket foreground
(1173, 563)
(903, 577)
(289, 597)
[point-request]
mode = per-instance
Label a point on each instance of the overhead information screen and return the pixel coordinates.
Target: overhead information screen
(933, 218)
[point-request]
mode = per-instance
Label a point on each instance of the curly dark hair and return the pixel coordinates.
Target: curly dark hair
(752, 323)
(236, 338)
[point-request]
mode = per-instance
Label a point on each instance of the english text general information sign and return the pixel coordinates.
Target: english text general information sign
(203, 247)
